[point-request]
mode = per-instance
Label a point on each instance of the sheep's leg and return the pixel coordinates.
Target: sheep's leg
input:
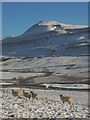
(29, 97)
(36, 98)
(69, 102)
(32, 99)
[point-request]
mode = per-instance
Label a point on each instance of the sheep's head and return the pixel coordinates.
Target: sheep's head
(60, 95)
(31, 92)
(12, 90)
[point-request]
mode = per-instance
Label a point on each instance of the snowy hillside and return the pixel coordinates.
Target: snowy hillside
(49, 58)
(48, 38)
(59, 48)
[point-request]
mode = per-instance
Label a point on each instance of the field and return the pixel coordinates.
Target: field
(49, 104)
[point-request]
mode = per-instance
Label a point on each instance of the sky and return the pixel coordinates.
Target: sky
(17, 17)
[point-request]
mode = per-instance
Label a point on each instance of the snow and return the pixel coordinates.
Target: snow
(11, 75)
(6, 83)
(48, 33)
(63, 65)
(48, 46)
(67, 26)
(49, 104)
(42, 45)
(75, 86)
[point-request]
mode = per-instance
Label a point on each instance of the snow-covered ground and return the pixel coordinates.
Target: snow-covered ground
(47, 47)
(49, 104)
(48, 38)
(11, 75)
(76, 86)
(64, 65)
(58, 47)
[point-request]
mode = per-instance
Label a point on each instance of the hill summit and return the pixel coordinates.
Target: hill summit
(48, 38)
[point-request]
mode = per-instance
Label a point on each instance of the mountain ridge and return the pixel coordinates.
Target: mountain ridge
(51, 23)
(48, 38)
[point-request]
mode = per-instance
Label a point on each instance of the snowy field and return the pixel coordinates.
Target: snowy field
(26, 67)
(49, 104)
(48, 52)
(76, 86)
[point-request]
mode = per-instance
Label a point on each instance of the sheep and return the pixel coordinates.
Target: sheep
(65, 99)
(27, 95)
(34, 95)
(16, 93)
